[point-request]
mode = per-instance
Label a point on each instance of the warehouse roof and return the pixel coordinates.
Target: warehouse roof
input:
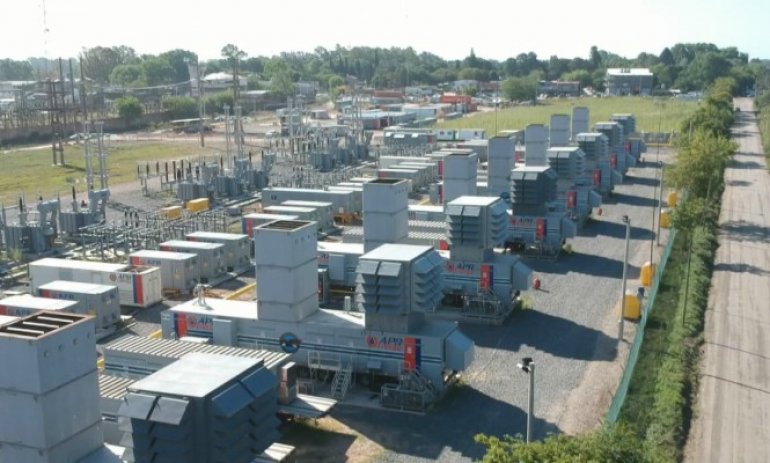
(636, 72)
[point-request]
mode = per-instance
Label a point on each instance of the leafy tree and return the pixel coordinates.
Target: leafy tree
(556, 67)
(178, 59)
(16, 70)
(129, 108)
(606, 445)
(666, 57)
(128, 75)
(281, 82)
(335, 82)
(519, 88)
(180, 107)
(98, 62)
(234, 55)
(158, 71)
(580, 75)
(700, 161)
(595, 58)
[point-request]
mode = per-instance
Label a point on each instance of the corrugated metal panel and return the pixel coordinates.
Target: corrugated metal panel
(114, 387)
(173, 349)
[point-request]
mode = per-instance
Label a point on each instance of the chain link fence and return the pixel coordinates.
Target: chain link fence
(633, 355)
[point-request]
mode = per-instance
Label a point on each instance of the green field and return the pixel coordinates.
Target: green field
(30, 172)
(649, 113)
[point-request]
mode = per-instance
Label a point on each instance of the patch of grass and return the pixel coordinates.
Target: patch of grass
(659, 401)
(31, 173)
(646, 109)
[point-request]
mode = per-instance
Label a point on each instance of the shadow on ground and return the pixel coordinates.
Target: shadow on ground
(631, 200)
(745, 164)
(614, 230)
(739, 183)
(548, 333)
(457, 418)
(316, 444)
(589, 264)
(745, 231)
(740, 268)
(646, 181)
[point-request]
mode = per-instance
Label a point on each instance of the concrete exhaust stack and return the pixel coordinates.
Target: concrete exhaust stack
(579, 121)
(535, 145)
(560, 130)
(287, 270)
(386, 212)
(460, 173)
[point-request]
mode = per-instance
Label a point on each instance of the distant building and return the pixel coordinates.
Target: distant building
(222, 81)
(384, 97)
(559, 88)
(629, 81)
(460, 103)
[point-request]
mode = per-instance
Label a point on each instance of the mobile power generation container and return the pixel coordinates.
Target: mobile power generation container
(210, 256)
(236, 247)
(101, 301)
(178, 270)
(26, 304)
(137, 286)
(251, 221)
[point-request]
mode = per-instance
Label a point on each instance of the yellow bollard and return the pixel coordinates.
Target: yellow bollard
(647, 273)
(665, 218)
(633, 308)
(672, 199)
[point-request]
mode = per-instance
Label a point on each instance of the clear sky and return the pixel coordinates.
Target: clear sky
(493, 28)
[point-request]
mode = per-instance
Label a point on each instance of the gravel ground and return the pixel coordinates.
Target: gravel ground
(570, 332)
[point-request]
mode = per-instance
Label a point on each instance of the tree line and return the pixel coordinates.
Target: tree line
(685, 66)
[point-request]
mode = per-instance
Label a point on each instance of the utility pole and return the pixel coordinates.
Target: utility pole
(627, 221)
(200, 100)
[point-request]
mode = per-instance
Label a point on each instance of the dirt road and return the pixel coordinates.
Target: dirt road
(733, 411)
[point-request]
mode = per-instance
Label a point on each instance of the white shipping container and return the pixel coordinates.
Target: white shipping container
(24, 305)
(137, 286)
(178, 270)
(210, 256)
(236, 246)
(100, 301)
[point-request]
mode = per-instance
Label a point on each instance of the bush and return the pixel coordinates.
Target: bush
(129, 107)
(216, 102)
(611, 444)
(180, 107)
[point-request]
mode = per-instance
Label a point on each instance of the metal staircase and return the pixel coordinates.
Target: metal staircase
(341, 381)
(414, 392)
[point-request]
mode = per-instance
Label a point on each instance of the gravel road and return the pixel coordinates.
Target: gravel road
(733, 410)
(571, 329)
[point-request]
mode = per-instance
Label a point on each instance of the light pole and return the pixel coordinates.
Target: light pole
(660, 203)
(527, 365)
(627, 221)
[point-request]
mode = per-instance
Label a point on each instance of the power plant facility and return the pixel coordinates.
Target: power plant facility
(351, 250)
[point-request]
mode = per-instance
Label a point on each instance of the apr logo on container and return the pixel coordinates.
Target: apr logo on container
(289, 343)
(385, 343)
